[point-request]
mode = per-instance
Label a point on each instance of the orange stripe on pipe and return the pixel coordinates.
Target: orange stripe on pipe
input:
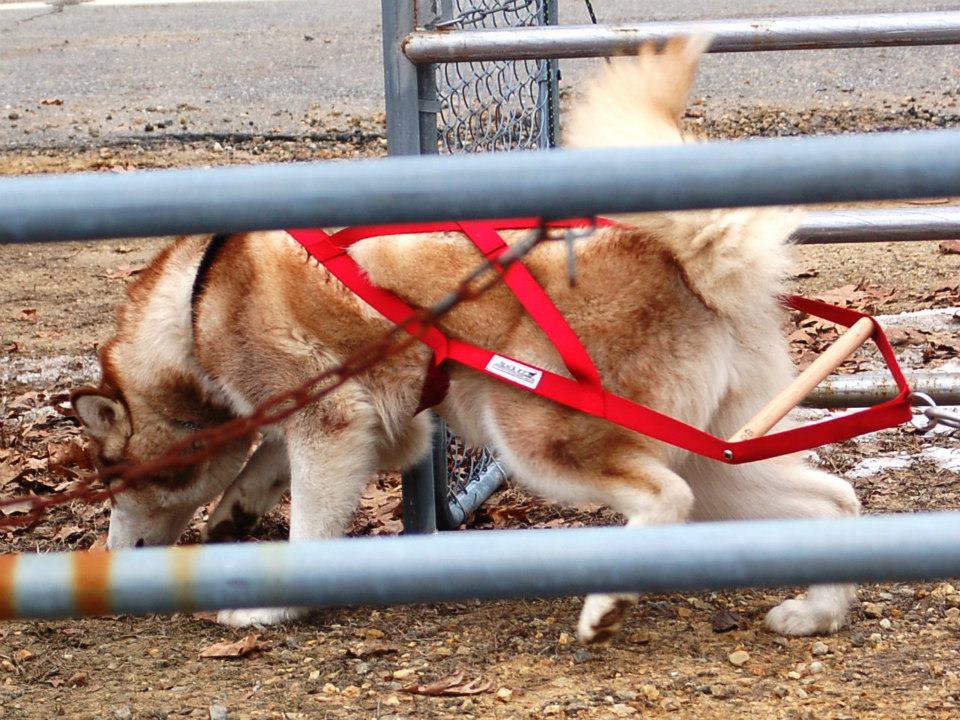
(91, 582)
(8, 571)
(182, 566)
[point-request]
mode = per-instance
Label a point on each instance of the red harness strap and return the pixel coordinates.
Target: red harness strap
(585, 391)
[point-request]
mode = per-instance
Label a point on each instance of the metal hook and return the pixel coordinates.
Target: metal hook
(934, 414)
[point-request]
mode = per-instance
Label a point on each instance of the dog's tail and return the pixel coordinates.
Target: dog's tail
(731, 258)
(638, 100)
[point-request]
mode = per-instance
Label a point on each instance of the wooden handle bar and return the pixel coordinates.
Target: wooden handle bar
(795, 392)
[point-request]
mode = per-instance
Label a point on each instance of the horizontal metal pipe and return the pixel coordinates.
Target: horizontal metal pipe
(882, 225)
(865, 389)
(735, 35)
(501, 564)
(560, 183)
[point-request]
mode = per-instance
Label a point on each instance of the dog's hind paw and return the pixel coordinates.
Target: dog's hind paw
(259, 616)
(602, 616)
(822, 611)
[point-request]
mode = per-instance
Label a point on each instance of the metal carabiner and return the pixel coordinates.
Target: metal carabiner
(934, 414)
(943, 417)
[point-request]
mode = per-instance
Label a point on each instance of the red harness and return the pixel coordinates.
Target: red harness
(585, 392)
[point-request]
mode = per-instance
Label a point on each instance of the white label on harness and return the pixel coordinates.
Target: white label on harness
(512, 370)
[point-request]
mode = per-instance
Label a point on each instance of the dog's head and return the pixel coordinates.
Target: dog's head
(135, 420)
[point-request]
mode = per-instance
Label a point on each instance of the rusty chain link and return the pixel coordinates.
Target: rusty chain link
(106, 483)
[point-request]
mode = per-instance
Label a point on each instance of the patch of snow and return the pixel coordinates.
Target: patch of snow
(946, 458)
(932, 320)
(875, 465)
(45, 372)
(911, 356)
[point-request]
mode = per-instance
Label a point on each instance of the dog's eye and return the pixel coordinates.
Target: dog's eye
(186, 424)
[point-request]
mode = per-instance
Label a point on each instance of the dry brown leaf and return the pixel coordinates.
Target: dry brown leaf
(503, 514)
(906, 336)
(78, 679)
(36, 464)
(950, 247)
(51, 101)
(204, 616)
(66, 453)
(363, 651)
(16, 508)
(236, 649)
(11, 469)
(725, 621)
(450, 685)
(68, 533)
(437, 687)
(122, 272)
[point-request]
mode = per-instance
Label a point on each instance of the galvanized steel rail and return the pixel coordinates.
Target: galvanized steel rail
(881, 225)
(556, 184)
(503, 564)
(870, 388)
(735, 35)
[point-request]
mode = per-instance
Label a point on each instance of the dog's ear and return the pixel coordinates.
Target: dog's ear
(101, 415)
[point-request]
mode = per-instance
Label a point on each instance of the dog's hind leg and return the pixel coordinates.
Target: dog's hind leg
(332, 451)
(560, 454)
(254, 492)
(780, 488)
(647, 493)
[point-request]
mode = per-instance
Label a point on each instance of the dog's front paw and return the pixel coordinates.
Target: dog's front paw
(229, 527)
(602, 616)
(259, 616)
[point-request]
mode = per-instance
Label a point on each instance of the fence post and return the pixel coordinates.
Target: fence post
(409, 89)
(408, 133)
(419, 508)
(400, 78)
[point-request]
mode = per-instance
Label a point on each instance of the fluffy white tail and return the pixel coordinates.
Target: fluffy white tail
(638, 100)
(732, 258)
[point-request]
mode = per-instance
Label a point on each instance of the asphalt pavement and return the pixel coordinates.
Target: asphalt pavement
(73, 72)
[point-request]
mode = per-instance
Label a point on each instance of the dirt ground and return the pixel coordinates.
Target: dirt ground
(897, 658)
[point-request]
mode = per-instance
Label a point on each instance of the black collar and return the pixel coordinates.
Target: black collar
(203, 271)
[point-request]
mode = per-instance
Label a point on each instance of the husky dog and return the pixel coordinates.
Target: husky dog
(678, 310)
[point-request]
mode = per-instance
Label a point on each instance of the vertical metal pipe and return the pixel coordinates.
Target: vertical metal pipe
(400, 78)
(408, 134)
(428, 108)
(551, 17)
(419, 510)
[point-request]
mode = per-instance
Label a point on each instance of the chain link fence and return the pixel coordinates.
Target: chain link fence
(497, 105)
